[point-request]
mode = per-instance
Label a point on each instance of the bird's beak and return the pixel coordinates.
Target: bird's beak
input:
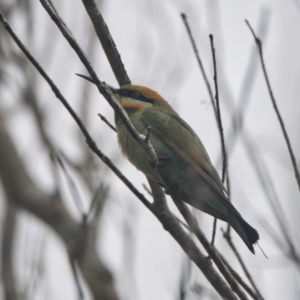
(114, 90)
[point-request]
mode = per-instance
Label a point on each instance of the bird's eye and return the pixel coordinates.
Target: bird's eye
(135, 94)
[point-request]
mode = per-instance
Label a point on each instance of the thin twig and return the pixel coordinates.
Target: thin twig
(224, 168)
(286, 137)
(107, 123)
(209, 89)
(214, 231)
(94, 201)
(107, 42)
(238, 278)
(237, 117)
(147, 189)
(267, 186)
(160, 208)
(73, 188)
(191, 221)
(220, 126)
(248, 275)
(187, 26)
(228, 193)
(76, 278)
(216, 109)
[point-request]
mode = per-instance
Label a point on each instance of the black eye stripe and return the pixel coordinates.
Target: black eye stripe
(135, 95)
(123, 92)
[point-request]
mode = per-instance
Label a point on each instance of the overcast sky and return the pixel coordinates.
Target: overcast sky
(157, 53)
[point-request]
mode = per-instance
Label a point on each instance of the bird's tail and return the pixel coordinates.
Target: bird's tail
(247, 233)
(222, 208)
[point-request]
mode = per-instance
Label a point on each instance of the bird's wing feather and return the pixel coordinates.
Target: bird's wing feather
(181, 137)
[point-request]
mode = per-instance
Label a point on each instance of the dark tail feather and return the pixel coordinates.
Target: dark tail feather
(221, 208)
(247, 233)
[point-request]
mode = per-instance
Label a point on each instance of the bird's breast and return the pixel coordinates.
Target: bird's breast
(132, 150)
(174, 166)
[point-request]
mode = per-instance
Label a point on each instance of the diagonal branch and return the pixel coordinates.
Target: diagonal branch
(189, 31)
(224, 168)
(191, 221)
(285, 134)
(247, 273)
(107, 42)
(171, 224)
(220, 126)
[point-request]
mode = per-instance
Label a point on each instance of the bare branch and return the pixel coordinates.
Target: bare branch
(72, 187)
(214, 231)
(171, 224)
(107, 42)
(187, 26)
(285, 134)
(247, 273)
(107, 123)
(224, 168)
(267, 186)
(238, 278)
(237, 117)
(216, 108)
(220, 126)
(191, 221)
(77, 279)
(225, 171)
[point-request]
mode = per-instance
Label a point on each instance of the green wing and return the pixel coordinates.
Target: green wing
(185, 142)
(181, 138)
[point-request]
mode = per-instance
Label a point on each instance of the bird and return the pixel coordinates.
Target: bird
(181, 154)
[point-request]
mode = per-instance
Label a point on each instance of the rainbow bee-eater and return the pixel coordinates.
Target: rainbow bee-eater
(181, 153)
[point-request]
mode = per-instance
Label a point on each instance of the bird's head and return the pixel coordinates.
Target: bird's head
(135, 98)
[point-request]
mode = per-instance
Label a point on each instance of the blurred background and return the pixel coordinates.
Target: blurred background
(145, 261)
